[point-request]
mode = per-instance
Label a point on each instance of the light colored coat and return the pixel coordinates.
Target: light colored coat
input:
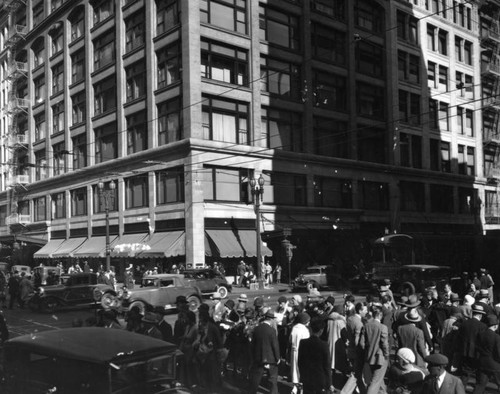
(335, 324)
(299, 332)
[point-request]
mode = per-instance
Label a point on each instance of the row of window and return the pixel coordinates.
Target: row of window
(232, 185)
(455, 10)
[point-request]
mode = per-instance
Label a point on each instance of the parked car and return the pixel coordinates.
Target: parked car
(159, 293)
(74, 290)
(89, 360)
(416, 278)
(47, 275)
(21, 268)
(209, 281)
(318, 276)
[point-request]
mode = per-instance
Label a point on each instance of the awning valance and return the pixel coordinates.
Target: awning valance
(50, 247)
(129, 245)
(229, 243)
(167, 244)
(94, 247)
(68, 246)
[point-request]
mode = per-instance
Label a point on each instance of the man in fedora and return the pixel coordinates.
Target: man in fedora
(465, 355)
(489, 355)
(412, 337)
(265, 354)
(439, 381)
(483, 296)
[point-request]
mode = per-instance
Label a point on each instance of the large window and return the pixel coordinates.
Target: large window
(106, 143)
(39, 52)
(332, 192)
(41, 165)
(463, 50)
(78, 66)
(103, 9)
(170, 185)
(369, 59)
(225, 184)
(79, 152)
(465, 85)
(370, 100)
(330, 91)
(281, 129)
(39, 89)
(371, 144)
(58, 205)
(407, 28)
(228, 14)
(466, 160)
(79, 202)
(408, 67)
(40, 209)
(104, 50)
(167, 15)
(465, 121)
(279, 28)
(374, 195)
(169, 65)
(136, 80)
(104, 96)
(57, 40)
(409, 108)
(468, 200)
(440, 158)
(59, 159)
(38, 12)
(58, 117)
(57, 78)
(369, 15)
(78, 106)
(134, 31)
(331, 138)
(136, 192)
(437, 40)
(77, 20)
(40, 128)
(225, 120)
(281, 78)
(410, 150)
(441, 198)
(333, 8)
(328, 44)
(412, 196)
(286, 189)
(137, 132)
(224, 63)
(169, 121)
(98, 201)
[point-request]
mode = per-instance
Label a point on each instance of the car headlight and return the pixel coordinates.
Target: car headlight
(41, 291)
(97, 294)
(125, 294)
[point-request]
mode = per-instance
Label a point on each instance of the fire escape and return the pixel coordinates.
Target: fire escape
(17, 108)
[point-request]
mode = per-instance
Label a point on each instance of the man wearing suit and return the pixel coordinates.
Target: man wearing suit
(374, 341)
(488, 345)
(265, 354)
(439, 381)
(412, 337)
(465, 356)
(314, 361)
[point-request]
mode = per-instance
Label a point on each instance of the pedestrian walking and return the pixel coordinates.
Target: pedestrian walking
(13, 284)
(277, 271)
(299, 332)
(439, 381)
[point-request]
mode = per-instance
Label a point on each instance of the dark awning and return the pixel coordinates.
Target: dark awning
(166, 244)
(129, 245)
(50, 247)
(94, 247)
(229, 243)
(68, 247)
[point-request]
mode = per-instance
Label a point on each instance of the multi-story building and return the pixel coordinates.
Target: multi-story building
(362, 116)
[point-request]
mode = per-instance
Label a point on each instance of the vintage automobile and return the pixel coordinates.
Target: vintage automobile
(416, 278)
(208, 281)
(74, 290)
(318, 276)
(159, 293)
(89, 360)
(47, 274)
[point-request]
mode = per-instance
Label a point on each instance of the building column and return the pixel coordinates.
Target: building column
(194, 212)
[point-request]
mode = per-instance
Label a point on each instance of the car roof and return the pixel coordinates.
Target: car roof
(91, 344)
(317, 266)
(163, 276)
(424, 267)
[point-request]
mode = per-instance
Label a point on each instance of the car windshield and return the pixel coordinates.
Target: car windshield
(313, 271)
(138, 374)
(148, 283)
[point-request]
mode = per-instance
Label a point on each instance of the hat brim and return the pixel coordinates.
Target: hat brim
(412, 305)
(411, 319)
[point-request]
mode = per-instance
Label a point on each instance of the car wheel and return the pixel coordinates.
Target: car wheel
(140, 305)
(109, 300)
(194, 303)
(311, 285)
(49, 305)
(222, 290)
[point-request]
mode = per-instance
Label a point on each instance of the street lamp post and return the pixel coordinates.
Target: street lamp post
(257, 187)
(107, 197)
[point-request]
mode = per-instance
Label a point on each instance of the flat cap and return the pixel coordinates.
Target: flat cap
(437, 359)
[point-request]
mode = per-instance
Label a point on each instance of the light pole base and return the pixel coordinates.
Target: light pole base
(260, 284)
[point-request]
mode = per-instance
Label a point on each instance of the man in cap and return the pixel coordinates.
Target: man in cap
(374, 341)
(439, 381)
(467, 338)
(265, 354)
(488, 346)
